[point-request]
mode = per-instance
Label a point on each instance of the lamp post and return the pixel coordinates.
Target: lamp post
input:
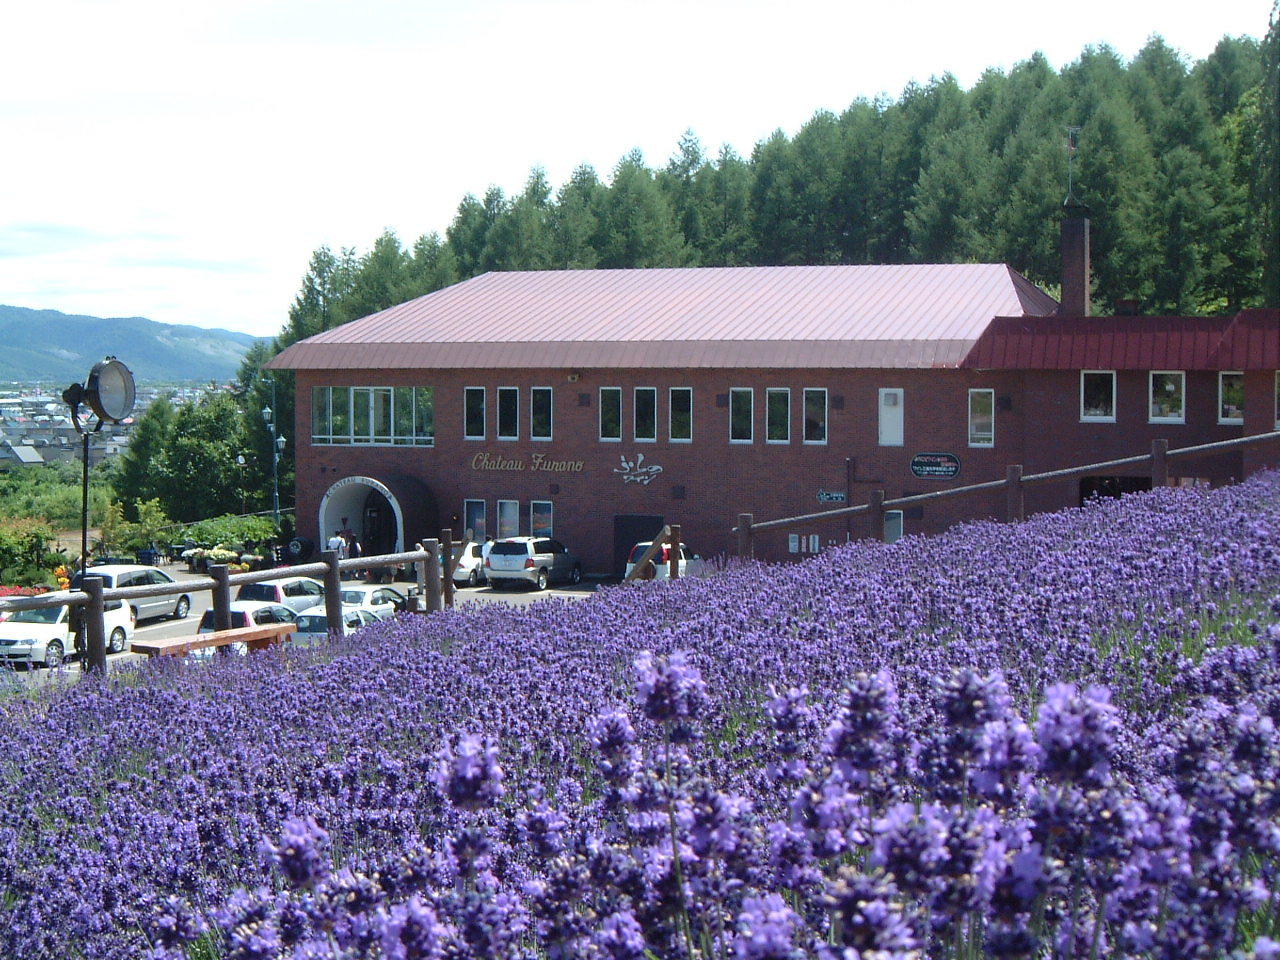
(277, 448)
(110, 393)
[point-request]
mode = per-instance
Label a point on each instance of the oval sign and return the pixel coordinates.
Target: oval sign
(935, 466)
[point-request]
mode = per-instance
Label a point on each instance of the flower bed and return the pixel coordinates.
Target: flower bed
(1055, 737)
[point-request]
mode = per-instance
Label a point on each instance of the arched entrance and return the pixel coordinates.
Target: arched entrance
(367, 509)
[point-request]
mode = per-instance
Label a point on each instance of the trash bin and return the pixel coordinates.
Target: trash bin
(147, 557)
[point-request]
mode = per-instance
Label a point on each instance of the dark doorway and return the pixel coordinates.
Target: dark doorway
(377, 525)
(1091, 487)
(628, 530)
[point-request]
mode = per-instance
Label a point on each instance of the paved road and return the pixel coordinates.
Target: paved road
(201, 600)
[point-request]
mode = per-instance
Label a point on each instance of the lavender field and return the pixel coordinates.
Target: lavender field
(1050, 740)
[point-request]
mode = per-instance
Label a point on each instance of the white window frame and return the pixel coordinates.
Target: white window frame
(1098, 418)
(551, 413)
(898, 420)
(671, 409)
(600, 418)
(1151, 389)
(893, 526)
(515, 417)
(635, 414)
(1222, 375)
(826, 413)
(768, 419)
(467, 392)
(751, 412)
(975, 438)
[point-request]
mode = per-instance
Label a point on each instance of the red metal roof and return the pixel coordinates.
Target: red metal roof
(1252, 342)
(1101, 343)
(831, 316)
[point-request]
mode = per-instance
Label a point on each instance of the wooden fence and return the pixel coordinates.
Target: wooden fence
(1014, 483)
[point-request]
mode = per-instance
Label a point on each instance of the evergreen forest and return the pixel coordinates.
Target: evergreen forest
(1176, 163)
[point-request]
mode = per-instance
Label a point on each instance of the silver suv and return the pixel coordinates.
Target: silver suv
(535, 560)
(115, 576)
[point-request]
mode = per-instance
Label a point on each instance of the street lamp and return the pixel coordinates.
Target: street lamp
(110, 393)
(277, 450)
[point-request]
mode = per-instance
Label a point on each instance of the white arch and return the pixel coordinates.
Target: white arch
(346, 499)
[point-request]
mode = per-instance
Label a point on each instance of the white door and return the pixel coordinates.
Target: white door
(891, 417)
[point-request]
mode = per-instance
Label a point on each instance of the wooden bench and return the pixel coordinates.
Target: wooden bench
(258, 637)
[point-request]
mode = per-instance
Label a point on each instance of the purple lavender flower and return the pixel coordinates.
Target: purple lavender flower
(175, 924)
(412, 931)
(303, 853)
(766, 929)
(470, 778)
(620, 937)
(1077, 733)
(669, 690)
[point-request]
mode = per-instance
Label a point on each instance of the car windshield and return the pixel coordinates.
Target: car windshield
(353, 596)
(107, 580)
(43, 615)
(257, 591)
(313, 624)
(501, 549)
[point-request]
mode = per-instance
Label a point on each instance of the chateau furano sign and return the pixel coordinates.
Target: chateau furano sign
(535, 462)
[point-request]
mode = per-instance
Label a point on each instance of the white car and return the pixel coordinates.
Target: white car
(118, 575)
(46, 635)
(296, 593)
(469, 570)
(383, 602)
(690, 563)
(531, 560)
(244, 613)
(314, 625)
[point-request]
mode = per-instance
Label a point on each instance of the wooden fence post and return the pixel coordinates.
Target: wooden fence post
(446, 546)
(673, 561)
(744, 535)
(332, 590)
(1014, 508)
(876, 515)
(221, 596)
(1159, 463)
(435, 600)
(95, 630)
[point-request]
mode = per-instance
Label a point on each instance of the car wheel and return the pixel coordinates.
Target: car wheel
(182, 609)
(135, 612)
(53, 654)
(115, 643)
(473, 578)
(542, 579)
(575, 575)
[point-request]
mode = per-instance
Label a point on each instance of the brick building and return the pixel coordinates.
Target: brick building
(597, 405)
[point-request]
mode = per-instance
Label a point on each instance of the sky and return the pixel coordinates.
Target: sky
(181, 161)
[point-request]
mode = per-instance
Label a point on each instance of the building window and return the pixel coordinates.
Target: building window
(508, 413)
(474, 403)
(373, 415)
(541, 517)
(680, 416)
(610, 413)
(982, 418)
(891, 417)
(1168, 396)
(1097, 396)
(473, 512)
(741, 414)
(815, 415)
(540, 413)
(892, 526)
(508, 518)
(777, 415)
(1231, 397)
(646, 414)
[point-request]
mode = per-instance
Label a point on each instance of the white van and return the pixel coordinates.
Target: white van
(45, 635)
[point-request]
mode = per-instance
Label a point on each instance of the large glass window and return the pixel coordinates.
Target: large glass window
(508, 518)
(473, 510)
(982, 418)
(610, 413)
(508, 413)
(1098, 396)
(541, 518)
(741, 415)
(681, 414)
(373, 415)
(540, 413)
(1231, 397)
(474, 413)
(646, 414)
(1168, 396)
(815, 415)
(777, 415)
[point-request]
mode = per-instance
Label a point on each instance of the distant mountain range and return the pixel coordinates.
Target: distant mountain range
(44, 345)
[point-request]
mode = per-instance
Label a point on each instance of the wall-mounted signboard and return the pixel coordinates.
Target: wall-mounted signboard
(935, 466)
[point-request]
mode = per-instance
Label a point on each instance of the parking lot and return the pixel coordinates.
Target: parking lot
(201, 600)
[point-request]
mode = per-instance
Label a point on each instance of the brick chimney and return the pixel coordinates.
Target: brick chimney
(1075, 260)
